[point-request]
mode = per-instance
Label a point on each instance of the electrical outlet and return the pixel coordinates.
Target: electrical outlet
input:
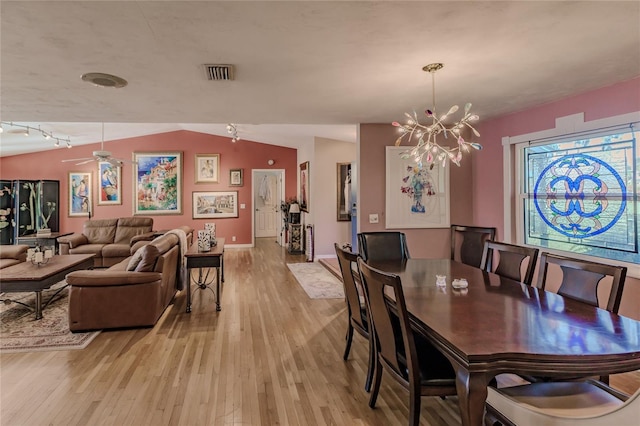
(373, 218)
(233, 238)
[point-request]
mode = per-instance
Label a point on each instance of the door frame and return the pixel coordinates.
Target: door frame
(254, 184)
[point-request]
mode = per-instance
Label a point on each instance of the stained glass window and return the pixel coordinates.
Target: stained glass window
(580, 195)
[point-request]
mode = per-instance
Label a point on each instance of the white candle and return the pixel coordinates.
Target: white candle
(48, 254)
(39, 257)
(30, 253)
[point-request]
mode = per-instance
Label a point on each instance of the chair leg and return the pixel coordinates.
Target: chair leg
(377, 378)
(414, 406)
(349, 338)
(372, 363)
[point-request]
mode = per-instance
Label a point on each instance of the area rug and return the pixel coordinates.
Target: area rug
(21, 332)
(316, 281)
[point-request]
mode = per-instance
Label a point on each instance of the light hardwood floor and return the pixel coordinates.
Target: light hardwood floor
(272, 356)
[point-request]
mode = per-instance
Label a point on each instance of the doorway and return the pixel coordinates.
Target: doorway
(267, 187)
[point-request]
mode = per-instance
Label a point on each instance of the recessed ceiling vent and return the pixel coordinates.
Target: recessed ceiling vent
(219, 72)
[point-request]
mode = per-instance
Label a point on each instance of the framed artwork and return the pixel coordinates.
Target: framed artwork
(304, 186)
(157, 183)
(109, 187)
(215, 205)
(79, 194)
(344, 192)
(207, 168)
(235, 177)
(416, 196)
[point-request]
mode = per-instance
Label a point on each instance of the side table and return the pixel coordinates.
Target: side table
(201, 260)
(51, 239)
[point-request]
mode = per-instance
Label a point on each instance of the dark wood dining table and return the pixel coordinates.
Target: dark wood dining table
(498, 325)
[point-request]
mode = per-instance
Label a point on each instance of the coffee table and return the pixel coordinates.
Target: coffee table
(27, 277)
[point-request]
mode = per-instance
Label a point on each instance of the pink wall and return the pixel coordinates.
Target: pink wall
(422, 242)
(487, 179)
(244, 154)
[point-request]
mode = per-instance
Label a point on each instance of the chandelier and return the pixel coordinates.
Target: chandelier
(427, 147)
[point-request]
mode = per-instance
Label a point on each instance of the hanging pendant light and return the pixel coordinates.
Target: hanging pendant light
(427, 146)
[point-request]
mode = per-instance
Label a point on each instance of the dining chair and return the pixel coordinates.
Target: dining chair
(580, 279)
(375, 246)
(409, 358)
(467, 243)
(561, 404)
(509, 261)
(356, 306)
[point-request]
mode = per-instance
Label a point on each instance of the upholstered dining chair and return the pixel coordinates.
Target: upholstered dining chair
(561, 404)
(374, 246)
(356, 306)
(411, 360)
(580, 279)
(467, 243)
(510, 260)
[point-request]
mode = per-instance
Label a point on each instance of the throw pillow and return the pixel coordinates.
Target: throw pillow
(135, 260)
(150, 254)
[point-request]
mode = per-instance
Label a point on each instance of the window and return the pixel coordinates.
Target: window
(579, 194)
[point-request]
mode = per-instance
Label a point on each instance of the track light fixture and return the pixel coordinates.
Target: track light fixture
(27, 129)
(233, 131)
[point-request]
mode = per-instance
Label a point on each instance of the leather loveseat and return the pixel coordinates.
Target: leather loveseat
(132, 293)
(109, 240)
(12, 254)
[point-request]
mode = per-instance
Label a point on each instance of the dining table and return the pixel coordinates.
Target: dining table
(497, 325)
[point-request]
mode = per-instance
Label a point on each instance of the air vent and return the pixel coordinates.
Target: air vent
(219, 72)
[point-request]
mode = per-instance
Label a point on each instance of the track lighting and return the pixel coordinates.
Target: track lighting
(26, 129)
(233, 131)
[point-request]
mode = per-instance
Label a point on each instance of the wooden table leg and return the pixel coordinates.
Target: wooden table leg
(472, 394)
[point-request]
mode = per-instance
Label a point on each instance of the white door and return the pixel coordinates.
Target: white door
(267, 204)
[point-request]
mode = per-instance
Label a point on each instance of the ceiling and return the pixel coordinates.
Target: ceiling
(303, 69)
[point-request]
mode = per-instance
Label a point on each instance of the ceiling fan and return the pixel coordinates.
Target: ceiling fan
(100, 155)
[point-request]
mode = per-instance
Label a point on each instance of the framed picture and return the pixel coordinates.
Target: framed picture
(416, 196)
(215, 205)
(109, 188)
(235, 177)
(207, 168)
(304, 186)
(157, 182)
(344, 192)
(79, 194)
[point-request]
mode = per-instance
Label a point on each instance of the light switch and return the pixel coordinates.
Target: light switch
(373, 218)
(242, 206)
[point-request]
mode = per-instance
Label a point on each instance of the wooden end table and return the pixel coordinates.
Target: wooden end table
(201, 260)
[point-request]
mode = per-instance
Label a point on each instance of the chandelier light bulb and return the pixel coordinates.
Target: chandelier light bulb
(426, 135)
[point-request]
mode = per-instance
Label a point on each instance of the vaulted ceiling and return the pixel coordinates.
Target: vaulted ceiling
(303, 69)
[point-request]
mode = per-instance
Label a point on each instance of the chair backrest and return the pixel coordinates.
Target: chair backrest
(561, 404)
(348, 262)
(374, 246)
(580, 279)
(510, 260)
(393, 337)
(467, 243)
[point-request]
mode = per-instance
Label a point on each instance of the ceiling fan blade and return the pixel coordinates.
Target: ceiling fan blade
(77, 159)
(114, 161)
(85, 161)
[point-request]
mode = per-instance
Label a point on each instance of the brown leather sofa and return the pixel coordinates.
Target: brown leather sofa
(109, 240)
(132, 293)
(12, 254)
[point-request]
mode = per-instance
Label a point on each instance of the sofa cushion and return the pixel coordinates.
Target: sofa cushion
(135, 259)
(8, 262)
(150, 255)
(95, 249)
(129, 227)
(116, 250)
(100, 231)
